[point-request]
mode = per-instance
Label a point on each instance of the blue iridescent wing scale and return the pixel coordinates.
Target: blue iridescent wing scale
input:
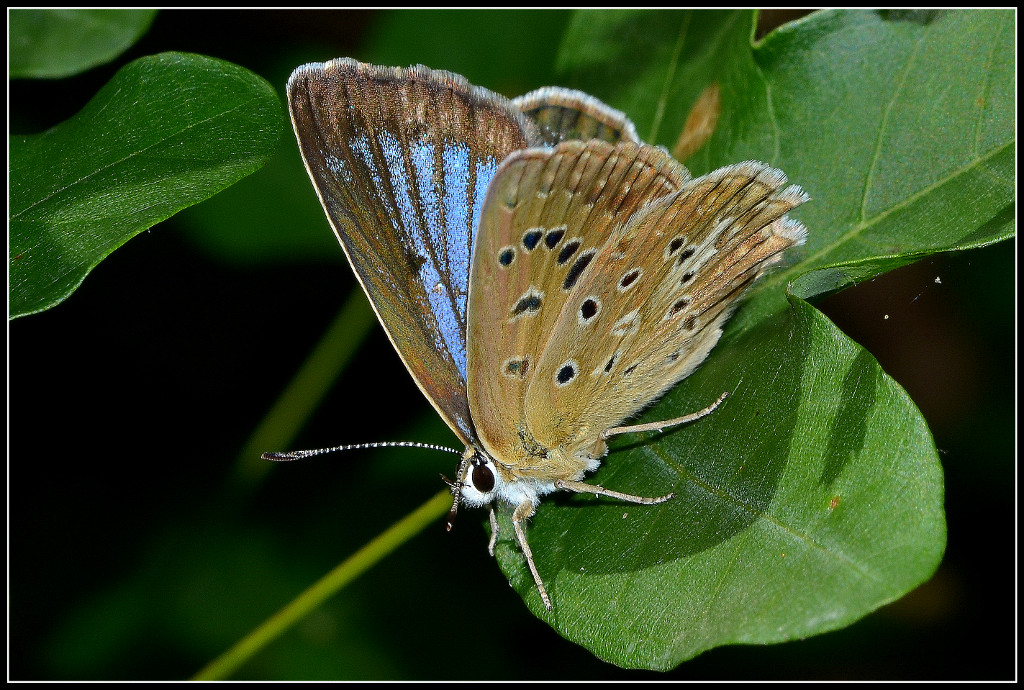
(401, 160)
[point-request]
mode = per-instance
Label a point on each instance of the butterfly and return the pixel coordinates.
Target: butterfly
(543, 274)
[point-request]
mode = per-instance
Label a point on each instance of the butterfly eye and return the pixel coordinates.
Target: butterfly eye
(483, 478)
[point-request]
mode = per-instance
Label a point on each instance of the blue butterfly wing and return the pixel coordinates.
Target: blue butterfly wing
(401, 160)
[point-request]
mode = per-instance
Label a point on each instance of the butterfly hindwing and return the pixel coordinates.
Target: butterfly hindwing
(401, 160)
(668, 279)
(564, 114)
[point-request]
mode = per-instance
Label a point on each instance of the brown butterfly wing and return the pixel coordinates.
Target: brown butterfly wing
(663, 285)
(548, 212)
(564, 114)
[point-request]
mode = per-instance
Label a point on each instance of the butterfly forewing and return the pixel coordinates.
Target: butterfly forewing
(547, 214)
(401, 160)
(668, 280)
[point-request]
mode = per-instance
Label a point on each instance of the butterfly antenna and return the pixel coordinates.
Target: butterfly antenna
(300, 454)
(456, 485)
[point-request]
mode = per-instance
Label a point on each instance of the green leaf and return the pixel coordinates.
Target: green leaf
(60, 43)
(166, 132)
(899, 127)
(814, 495)
(795, 511)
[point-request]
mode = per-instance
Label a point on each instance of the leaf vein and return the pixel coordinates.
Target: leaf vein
(883, 127)
(762, 515)
(986, 87)
(677, 50)
(811, 261)
(132, 155)
(770, 107)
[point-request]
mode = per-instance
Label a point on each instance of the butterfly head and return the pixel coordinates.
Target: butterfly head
(479, 479)
(482, 481)
(475, 482)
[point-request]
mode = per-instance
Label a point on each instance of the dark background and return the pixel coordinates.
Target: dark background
(137, 551)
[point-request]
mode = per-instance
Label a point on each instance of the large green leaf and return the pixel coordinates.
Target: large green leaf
(166, 132)
(60, 43)
(814, 494)
(795, 511)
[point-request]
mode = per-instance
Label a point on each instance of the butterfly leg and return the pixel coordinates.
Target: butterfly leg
(521, 514)
(658, 426)
(494, 533)
(582, 488)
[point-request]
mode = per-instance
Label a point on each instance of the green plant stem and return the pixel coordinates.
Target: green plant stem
(305, 391)
(331, 583)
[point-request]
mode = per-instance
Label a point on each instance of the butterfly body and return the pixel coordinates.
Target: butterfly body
(540, 288)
